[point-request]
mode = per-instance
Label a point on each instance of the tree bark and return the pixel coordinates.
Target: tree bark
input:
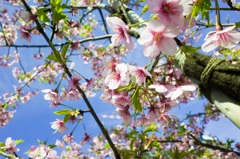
(225, 76)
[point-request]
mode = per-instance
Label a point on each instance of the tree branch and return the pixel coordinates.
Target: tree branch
(57, 54)
(198, 142)
(61, 44)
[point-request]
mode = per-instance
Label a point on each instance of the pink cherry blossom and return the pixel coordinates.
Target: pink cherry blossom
(144, 120)
(72, 94)
(10, 145)
(26, 16)
(85, 139)
(156, 38)
(74, 81)
(109, 66)
(227, 38)
(118, 26)
(121, 101)
(37, 152)
(178, 91)
(68, 138)
(153, 113)
(125, 115)
(52, 96)
(59, 126)
(170, 12)
(5, 116)
(140, 74)
(107, 95)
(25, 33)
(52, 154)
(118, 78)
(160, 88)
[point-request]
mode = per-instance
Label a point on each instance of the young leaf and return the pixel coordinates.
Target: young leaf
(66, 118)
(135, 100)
(237, 24)
(42, 14)
(53, 57)
(63, 112)
(65, 49)
(151, 128)
(18, 141)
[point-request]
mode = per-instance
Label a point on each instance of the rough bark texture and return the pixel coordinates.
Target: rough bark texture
(225, 77)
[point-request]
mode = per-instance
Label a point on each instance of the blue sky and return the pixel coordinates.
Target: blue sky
(32, 120)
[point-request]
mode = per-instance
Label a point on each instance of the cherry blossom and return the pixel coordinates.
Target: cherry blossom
(140, 74)
(170, 12)
(226, 38)
(68, 138)
(59, 125)
(107, 95)
(5, 116)
(74, 81)
(10, 145)
(118, 78)
(121, 101)
(125, 115)
(157, 37)
(25, 33)
(52, 154)
(37, 152)
(118, 26)
(144, 120)
(26, 16)
(178, 91)
(153, 113)
(109, 66)
(52, 96)
(72, 94)
(160, 88)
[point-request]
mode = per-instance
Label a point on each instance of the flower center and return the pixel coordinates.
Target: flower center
(157, 36)
(166, 9)
(117, 76)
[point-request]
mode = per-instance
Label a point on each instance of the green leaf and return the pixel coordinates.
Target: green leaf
(203, 8)
(182, 130)
(21, 76)
(151, 128)
(18, 141)
(189, 49)
(237, 24)
(2, 144)
(42, 14)
(53, 57)
(40, 142)
(63, 112)
(155, 144)
(57, 11)
(66, 118)
(107, 146)
(65, 49)
(52, 146)
(237, 5)
(136, 101)
(5, 105)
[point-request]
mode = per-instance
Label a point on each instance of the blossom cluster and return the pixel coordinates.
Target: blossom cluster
(143, 96)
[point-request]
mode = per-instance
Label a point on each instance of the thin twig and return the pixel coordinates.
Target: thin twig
(198, 142)
(62, 44)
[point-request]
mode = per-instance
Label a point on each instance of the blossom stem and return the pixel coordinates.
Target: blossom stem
(218, 18)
